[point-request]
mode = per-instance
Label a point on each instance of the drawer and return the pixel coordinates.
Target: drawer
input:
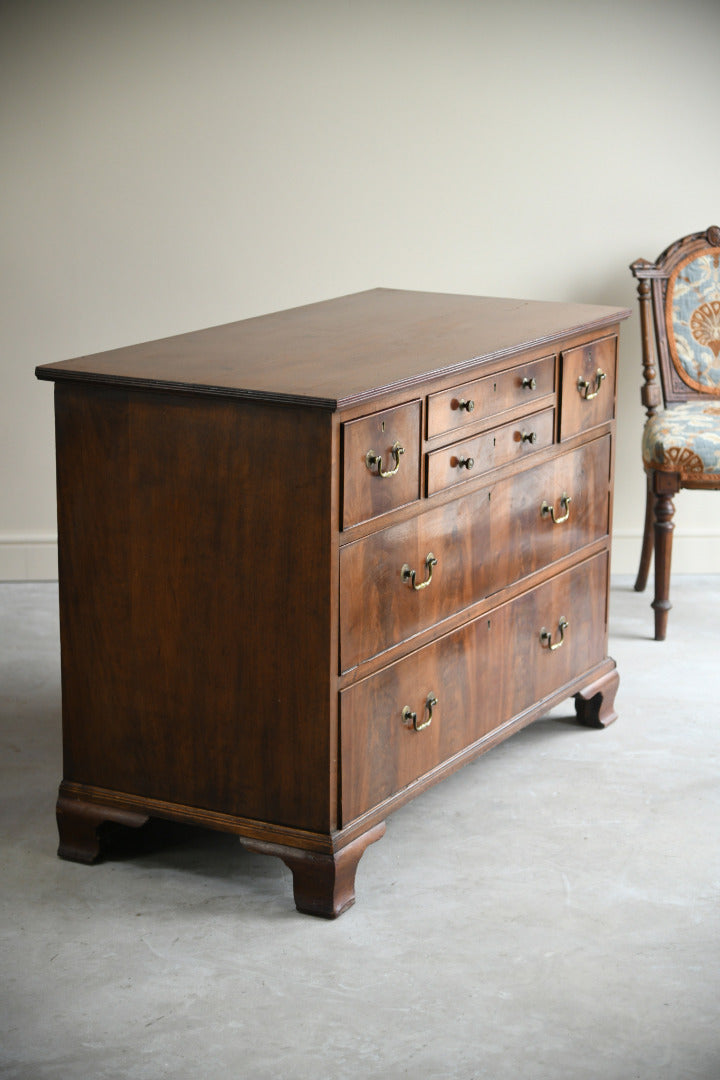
(527, 521)
(475, 456)
(588, 386)
(453, 409)
(468, 683)
(381, 463)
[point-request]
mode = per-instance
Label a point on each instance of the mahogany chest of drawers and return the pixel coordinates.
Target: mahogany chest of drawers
(312, 562)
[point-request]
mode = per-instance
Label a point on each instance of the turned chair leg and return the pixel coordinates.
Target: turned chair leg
(647, 543)
(664, 511)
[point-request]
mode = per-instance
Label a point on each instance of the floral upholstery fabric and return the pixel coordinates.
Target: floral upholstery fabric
(685, 439)
(693, 318)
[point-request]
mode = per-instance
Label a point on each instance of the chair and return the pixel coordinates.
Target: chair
(679, 297)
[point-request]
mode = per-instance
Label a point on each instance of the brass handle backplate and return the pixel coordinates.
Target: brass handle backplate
(546, 635)
(409, 575)
(546, 509)
(410, 718)
(372, 460)
(584, 386)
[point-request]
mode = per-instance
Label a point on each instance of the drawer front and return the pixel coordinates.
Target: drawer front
(465, 685)
(514, 441)
(463, 405)
(588, 386)
(381, 463)
(527, 521)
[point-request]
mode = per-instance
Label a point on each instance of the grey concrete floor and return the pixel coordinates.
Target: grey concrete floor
(551, 911)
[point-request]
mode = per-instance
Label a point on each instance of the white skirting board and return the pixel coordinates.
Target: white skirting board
(28, 558)
(693, 553)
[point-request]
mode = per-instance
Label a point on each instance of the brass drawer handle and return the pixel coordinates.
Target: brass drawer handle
(468, 405)
(528, 383)
(546, 635)
(372, 459)
(584, 386)
(565, 501)
(465, 463)
(409, 575)
(529, 436)
(410, 718)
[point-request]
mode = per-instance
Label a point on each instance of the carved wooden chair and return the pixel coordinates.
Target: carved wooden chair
(679, 298)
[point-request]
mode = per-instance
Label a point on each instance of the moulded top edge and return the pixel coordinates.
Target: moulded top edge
(338, 353)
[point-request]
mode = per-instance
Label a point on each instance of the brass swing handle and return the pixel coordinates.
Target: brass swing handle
(372, 459)
(546, 635)
(410, 718)
(584, 386)
(409, 575)
(565, 501)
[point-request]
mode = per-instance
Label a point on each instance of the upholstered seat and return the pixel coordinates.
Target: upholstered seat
(680, 316)
(685, 439)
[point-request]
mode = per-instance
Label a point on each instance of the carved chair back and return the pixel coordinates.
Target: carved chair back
(680, 309)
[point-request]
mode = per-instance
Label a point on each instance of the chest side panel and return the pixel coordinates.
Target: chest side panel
(192, 531)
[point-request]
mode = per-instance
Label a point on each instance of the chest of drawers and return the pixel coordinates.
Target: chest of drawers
(311, 563)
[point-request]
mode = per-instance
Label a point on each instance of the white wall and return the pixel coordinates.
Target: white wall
(173, 165)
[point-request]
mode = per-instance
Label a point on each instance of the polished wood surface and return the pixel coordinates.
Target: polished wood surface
(585, 406)
(392, 438)
(490, 396)
(506, 519)
(492, 668)
(515, 441)
(178, 602)
(340, 351)
(285, 610)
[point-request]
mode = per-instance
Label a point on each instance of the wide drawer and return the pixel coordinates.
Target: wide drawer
(500, 445)
(588, 386)
(381, 463)
(449, 410)
(467, 550)
(415, 714)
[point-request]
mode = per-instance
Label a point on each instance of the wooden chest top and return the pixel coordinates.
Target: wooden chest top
(338, 353)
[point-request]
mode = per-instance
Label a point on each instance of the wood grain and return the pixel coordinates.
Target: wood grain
(339, 352)
(483, 674)
(239, 630)
(186, 630)
(380, 609)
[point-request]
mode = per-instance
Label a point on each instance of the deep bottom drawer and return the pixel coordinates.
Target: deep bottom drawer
(408, 718)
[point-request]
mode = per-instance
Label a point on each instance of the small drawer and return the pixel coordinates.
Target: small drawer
(588, 386)
(450, 410)
(511, 442)
(411, 576)
(381, 463)
(415, 714)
